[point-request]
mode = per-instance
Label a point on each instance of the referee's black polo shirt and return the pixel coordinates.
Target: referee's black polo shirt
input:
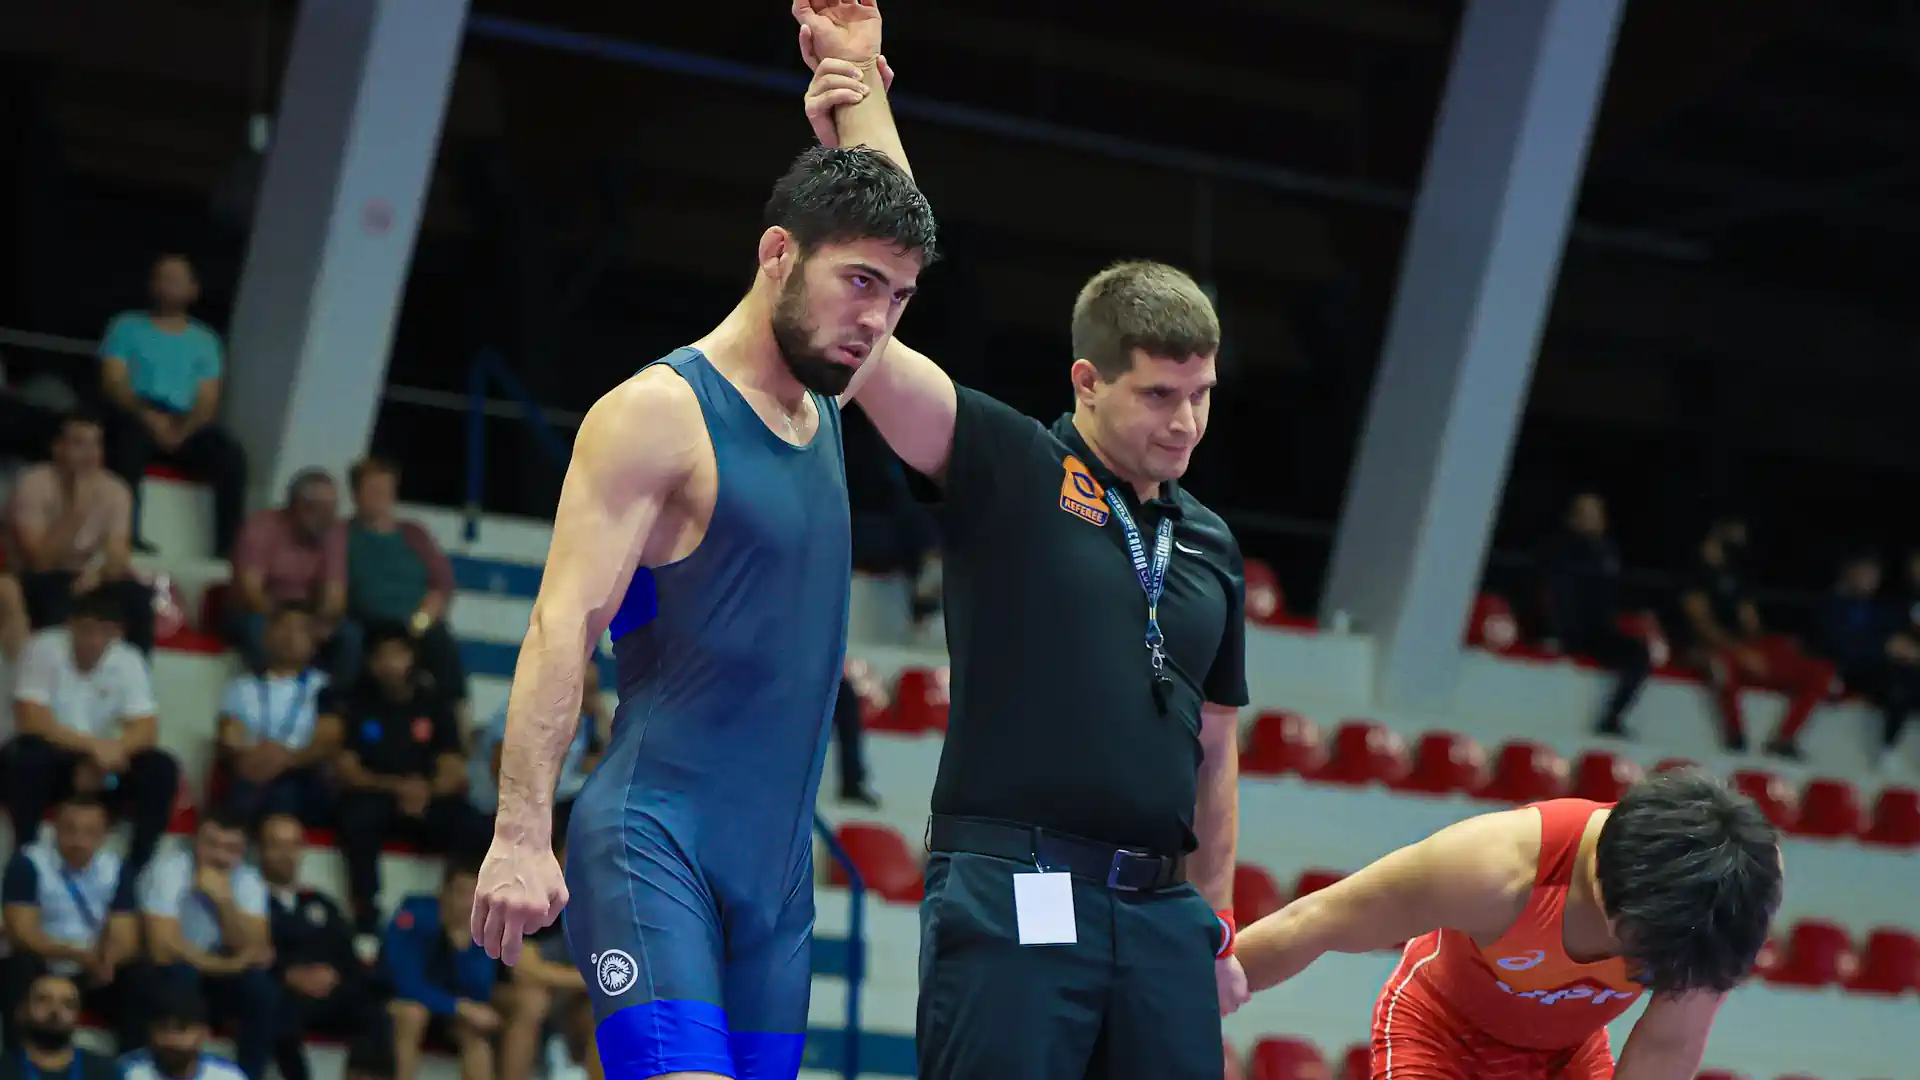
(1053, 720)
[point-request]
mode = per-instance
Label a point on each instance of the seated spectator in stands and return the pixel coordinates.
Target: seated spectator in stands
(583, 754)
(178, 1046)
(1580, 573)
(280, 729)
(161, 370)
(282, 558)
(47, 1020)
(443, 984)
(402, 774)
(1722, 634)
(1863, 634)
(84, 704)
(397, 574)
(323, 986)
(545, 985)
(205, 912)
(70, 911)
(370, 1058)
(69, 531)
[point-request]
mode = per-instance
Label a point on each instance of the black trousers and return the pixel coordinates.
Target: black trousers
(49, 596)
(850, 739)
(1894, 687)
(1133, 999)
(17, 973)
(352, 1010)
(250, 1001)
(210, 453)
(1629, 660)
(40, 774)
(364, 820)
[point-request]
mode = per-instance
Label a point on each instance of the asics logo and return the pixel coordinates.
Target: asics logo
(1590, 994)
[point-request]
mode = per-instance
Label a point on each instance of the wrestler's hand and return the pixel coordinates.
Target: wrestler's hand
(520, 891)
(840, 29)
(836, 84)
(1231, 981)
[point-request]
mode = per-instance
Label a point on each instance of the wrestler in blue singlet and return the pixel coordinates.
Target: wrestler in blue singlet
(690, 853)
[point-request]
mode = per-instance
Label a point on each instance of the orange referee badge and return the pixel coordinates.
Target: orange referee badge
(1081, 495)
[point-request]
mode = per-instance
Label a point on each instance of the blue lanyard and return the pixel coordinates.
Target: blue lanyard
(1153, 581)
(80, 900)
(269, 726)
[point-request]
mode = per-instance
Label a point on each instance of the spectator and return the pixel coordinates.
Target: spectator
(179, 1046)
(323, 985)
(1581, 577)
(279, 728)
(70, 912)
(402, 775)
(282, 558)
(442, 982)
(546, 984)
(1724, 637)
(849, 732)
(583, 754)
(1863, 635)
(207, 934)
(161, 372)
(47, 1020)
(86, 714)
(397, 574)
(69, 531)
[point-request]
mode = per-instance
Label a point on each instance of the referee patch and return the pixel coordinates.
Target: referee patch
(1081, 495)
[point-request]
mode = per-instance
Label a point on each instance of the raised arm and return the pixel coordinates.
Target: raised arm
(1460, 878)
(634, 451)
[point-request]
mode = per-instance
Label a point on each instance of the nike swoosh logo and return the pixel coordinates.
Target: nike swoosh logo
(1188, 550)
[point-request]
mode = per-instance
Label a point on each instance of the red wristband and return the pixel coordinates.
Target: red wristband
(1227, 933)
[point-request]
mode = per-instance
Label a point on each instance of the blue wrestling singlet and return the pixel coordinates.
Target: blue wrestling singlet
(690, 852)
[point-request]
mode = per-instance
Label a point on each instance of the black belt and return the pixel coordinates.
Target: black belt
(1115, 867)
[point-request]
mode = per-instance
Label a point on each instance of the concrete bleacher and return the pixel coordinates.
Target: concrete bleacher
(1765, 1030)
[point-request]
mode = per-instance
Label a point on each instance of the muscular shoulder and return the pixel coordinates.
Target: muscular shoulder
(1487, 865)
(649, 427)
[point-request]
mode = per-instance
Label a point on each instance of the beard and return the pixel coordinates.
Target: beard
(175, 1062)
(794, 335)
(44, 1036)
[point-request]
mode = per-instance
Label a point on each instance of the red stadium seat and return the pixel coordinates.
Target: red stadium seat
(1816, 954)
(1828, 808)
(1364, 752)
(1672, 763)
(1279, 743)
(887, 865)
(1525, 772)
(1491, 625)
(1768, 963)
(1312, 881)
(1445, 762)
(1643, 626)
(1889, 964)
(1266, 604)
(1255, 894)
(215, 603)
(1896, 819)
(1286, 1059)
(920, 700)
(1603, 776)
(1775, 798)
(1357, 1063)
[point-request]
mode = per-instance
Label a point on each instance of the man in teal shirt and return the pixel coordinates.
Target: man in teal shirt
(161, 371)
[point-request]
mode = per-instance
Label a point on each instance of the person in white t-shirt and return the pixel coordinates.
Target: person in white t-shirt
(178, 1050)
(279, 728)
(205, 912)
(87, 720)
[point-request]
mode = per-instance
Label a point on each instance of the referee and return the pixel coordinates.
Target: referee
(1077, 920)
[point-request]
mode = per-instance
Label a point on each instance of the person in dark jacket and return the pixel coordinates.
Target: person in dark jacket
(1866, 636)
(1580, 575)
(325, 987)
(443, 984)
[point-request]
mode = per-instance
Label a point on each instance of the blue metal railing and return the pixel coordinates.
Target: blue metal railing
(856, 945)
(488, 371)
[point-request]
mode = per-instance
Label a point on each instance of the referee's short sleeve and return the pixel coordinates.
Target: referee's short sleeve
(989, 438)
(1227, 680)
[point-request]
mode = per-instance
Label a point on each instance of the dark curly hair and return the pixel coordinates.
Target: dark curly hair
(1690, 875)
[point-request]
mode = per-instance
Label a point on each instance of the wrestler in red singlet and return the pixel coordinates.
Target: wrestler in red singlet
(1522, 927)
